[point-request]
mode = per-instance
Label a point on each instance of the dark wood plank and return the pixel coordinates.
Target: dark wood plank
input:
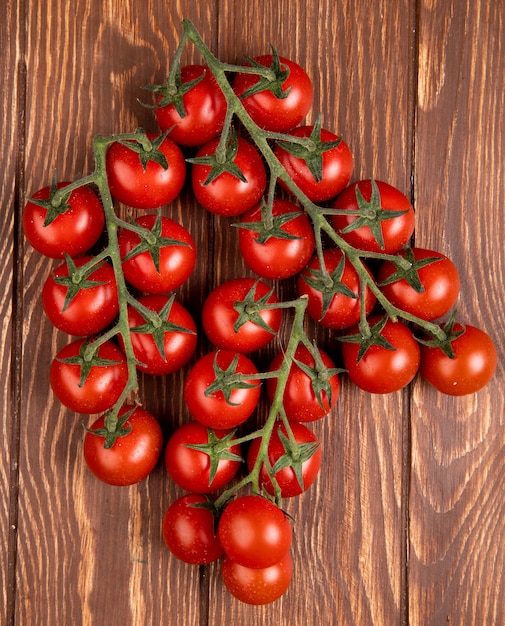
(456, 506)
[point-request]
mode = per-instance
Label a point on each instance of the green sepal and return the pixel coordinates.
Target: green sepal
(249, 309)
(275, 230)
(445, 344)
(320, 376)
(173, 93)
(274, 83)
(154, 154)
(217, 449)
(295, 455)
(53, 210)
(226, 380)
(368, 337)
(120, 430)
(409, 274)
(228, 165)
(76, 280)
(86, 362)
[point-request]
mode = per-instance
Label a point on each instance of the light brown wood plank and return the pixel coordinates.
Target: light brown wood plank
(456, 506)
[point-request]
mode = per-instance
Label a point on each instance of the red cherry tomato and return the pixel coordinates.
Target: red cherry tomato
(306, 399)
(254, 532)
(132, 457)
(241, 301)
(267, 109)
(281, 251)
(72, 228)
(88, 384)
(162, 265)
(190, 468)
(305, 460)
(389, 231)
(473, 366)
(148, 187)
(336, 303)
(204, 108)
(257, 586)
(381, 369)
(81, 307)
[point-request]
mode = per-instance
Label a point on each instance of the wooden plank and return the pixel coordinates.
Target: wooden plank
(11, 135)
(456, 507)
(348, 527)
(88, 553)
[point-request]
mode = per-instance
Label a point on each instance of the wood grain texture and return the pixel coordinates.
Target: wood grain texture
(405, 524)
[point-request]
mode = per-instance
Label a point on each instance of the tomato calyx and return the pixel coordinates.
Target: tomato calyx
(217, 449)
(222, 160)
(151, 241)
(87, 359)
(311, 151)
(226, 380)
(448, 335)
(273, 81)
(148, 150)
(157, 324)
(369, 336)
(329, 284)
(409, 271)
(56, 204)
(372, 214)
(295, 455)
(172, 91)
(77, 279)
(270, 226)
(120, 430)
(249, 309)
(320, 375)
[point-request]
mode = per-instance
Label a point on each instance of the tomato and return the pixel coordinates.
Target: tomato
(81, 303)
(296, 467)
(473, 366)
(279, 251)
(166, 343)
(145, 179)
(235, 317)
(334, 303)
(232, 187)
(188, 530)
(160, 261)
(195, 112)
(73, 227)
(278, 104)
(427, 291)
(387, 220)
(254, 532)
(133, 456)
(87, 383)
(387, 366)
(312, 387)
(322, 172)
(212, 393)
(193, 469)
(257, 586)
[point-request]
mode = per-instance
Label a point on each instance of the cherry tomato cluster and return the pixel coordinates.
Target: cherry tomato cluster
(344, 245)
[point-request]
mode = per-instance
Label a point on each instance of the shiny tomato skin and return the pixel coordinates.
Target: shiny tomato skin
(396, 231)
(300, 401)
(343, 310)
(189, 468)
(381, 370)
(472, 368)
(179, 345)
(204, 105)
(151, 188)
(440, 281)
(176, 262)
(268, 111)
(214, 410)
(277, 258)
(338, 164)
(286, 477)
(73, 232)
(254, 531)
(132, 457)
(227, 195)
(91, 310)
(188, 531)
(103, 385)
(219, 316)
(257, 586)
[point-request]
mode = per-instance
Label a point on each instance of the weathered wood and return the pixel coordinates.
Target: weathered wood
(405, 522)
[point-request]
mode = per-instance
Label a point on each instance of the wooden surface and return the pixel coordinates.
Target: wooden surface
(406, 523)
